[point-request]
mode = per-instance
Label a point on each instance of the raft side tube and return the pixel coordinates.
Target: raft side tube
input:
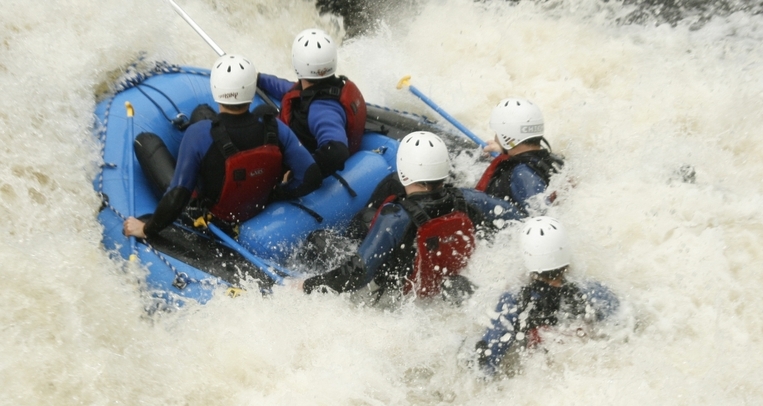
(274, 233)
(160, 275)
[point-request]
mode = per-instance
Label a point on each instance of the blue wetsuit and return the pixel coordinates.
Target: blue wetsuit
(323, 130)
(525, 183)
(536, 305)
(523, 176)
(386, 254)
(197, 152)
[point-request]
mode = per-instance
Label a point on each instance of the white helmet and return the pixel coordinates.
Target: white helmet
(544, 244)
(422, 157)
(233, 80)
(516, 120)
(313, 54)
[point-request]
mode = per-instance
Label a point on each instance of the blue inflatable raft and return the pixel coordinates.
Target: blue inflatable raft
(184, 262)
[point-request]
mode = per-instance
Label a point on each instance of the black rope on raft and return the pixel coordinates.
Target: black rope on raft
(181, 278)
(131, 79)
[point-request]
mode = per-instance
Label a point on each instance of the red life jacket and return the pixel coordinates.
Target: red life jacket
(534, 337)
(250, 175)
(342, 90)
(542, 162)
(487, 176)
(389, 199)
(443, 247)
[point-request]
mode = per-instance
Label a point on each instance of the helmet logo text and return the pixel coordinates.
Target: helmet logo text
(323, 72)
(531, 129)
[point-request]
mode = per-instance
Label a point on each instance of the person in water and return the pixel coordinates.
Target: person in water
(523, 167)
(548, 300)
(325, 111)
(419, 242)
(234, 162)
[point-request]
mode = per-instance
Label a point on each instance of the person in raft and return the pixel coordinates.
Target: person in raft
(523, 167)
(548, 300)
(234, 162)
(419, 242)
(325, 111)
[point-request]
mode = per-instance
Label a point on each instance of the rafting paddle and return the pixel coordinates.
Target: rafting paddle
(405, 82)
(131, 174)
(214, 46)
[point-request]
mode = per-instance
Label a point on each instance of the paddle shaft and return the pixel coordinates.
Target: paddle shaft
(212, 44)
(440, 111)
(131, 173)
(196, 28)
(447, 116)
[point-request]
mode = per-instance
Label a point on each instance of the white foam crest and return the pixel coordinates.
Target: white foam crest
(626, 105)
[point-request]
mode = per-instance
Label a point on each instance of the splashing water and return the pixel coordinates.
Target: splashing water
(628, 105)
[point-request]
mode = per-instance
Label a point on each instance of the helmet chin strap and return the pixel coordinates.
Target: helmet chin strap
(545, 141)
(212, 44)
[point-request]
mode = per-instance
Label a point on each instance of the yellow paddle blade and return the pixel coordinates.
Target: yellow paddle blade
(405, 81)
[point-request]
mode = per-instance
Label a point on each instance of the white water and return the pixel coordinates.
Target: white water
(626, 105)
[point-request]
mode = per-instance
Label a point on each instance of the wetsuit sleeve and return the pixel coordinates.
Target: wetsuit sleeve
(306, 175)
(193, 147)
(273, 85)
(327, 122)
(524, 184)
(331, 157)
(386, 234)
(172, 204)
(500, 334)
(493, 213)
(601, 301)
